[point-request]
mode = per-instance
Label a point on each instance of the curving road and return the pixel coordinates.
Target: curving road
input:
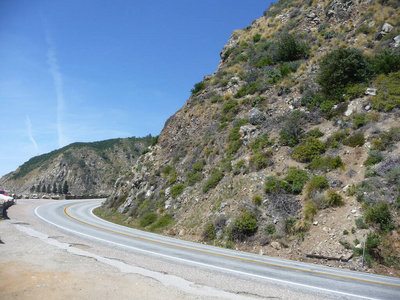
(77, 217)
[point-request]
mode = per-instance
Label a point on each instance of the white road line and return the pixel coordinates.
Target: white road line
(207, 265)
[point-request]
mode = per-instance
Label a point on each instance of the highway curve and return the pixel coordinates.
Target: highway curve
(76, 217)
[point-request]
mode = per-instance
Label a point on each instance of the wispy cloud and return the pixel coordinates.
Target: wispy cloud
(55, 72)
(29, 128)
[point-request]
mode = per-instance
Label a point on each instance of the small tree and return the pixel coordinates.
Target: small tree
(44, 188)
(59, 189)
(289, 49)
(33, 188)
(65, 188)
(48, 189)
(340, 68)
(198, 87)
(292, 131)
(38, 188)
(54, 188)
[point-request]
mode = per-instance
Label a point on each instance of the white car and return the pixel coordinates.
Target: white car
(4, 199)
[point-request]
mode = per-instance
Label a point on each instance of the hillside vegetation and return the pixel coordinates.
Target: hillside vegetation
(80, 169)
(291, 148)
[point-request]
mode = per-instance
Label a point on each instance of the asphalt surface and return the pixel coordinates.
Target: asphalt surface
(77, 218)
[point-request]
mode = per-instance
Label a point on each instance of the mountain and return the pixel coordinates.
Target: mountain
(81, 169)
(291, 148)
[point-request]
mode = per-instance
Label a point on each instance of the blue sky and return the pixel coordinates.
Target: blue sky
(90, 70)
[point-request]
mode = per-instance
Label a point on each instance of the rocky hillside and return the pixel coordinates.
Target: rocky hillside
(291, 148)
(79, 169)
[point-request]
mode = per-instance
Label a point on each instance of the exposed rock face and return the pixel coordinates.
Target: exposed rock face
(88, 168)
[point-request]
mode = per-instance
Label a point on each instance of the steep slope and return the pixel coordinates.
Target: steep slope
(79, 168)
(291, 148)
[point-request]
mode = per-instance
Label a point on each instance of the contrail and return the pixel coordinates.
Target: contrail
(29, 126)
(55, 72)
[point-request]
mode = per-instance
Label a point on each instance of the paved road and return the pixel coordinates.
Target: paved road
(77, 217)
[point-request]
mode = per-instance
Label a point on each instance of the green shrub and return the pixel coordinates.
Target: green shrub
(259, 86)
(154, 140)
(256, 38)
(148, 218)
(359, 120)
(296, 178)
(309, 210)
(308, 150)
(193, 177)
(209, 233)
(172, 178)
(245, 225)
(379, 214)
(336, 139)
(177, 189)
(386, 62)
(317, 183)
(355, 140)
(261, 143)
(213, 180)
(360, 224)
(229, 109)
(388, 96)
(234, 134)
(386, 139)
(167, 169)
(257, 200)
(289, 49)
(340, 68)
(274, 185)
(270, 229)
(259, 161)
(290, 225)
(198, 87)
(164, 221)
(374, 157)
(333, 199)
(326, 163)
(292, 131)
(315, 133)
(355, 91)
(198, 166)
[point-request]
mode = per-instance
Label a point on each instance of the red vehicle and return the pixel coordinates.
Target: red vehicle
(3, 192)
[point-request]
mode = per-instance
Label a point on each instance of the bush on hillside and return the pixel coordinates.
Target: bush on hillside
(296, 178)
(340, 68)
(198, 87)
(333, 199)
(379, 214)
(177, 189)
(308, 150)
(326, 163)
(290, 49)
(245, 225)
(213, 180)
(292, 131)
(388, 96)
(148, 218)
(355, 140)
(387, 61)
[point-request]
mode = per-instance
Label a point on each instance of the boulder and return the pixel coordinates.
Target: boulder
(276, 245)
(386, 28)
(246, 132)
(257, 117)
(371, 92)
(397, 41)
